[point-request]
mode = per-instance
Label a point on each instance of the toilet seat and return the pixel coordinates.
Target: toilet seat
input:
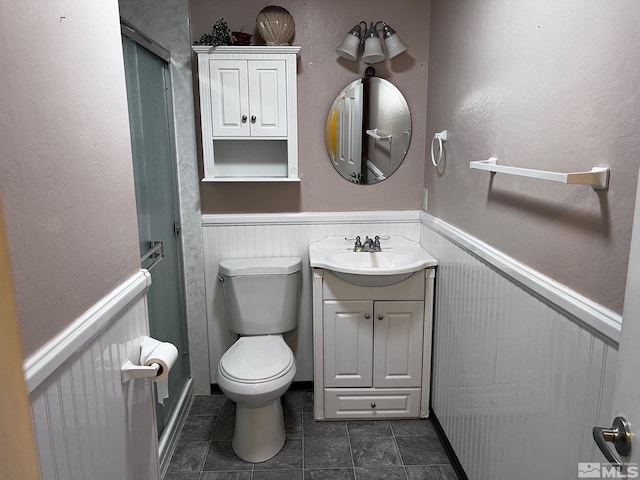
(256, 359)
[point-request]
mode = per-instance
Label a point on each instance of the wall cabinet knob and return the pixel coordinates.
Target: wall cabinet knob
(380, 317)
(373, 404)
(253, 119)
(244, 119)
(367, 316)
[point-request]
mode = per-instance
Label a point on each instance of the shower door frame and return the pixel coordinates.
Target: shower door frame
(173, 421)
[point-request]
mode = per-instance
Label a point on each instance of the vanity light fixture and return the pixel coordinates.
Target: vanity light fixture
(369, 44)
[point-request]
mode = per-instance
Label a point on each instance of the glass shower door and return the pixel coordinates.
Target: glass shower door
(152, 142)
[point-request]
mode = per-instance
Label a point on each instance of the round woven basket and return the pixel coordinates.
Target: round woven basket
(275, 25)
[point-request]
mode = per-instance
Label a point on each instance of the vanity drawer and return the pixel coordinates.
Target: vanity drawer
(353, 403)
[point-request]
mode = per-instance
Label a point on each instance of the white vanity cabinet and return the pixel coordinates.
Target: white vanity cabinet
(354, 330)
(372, 347)
(248, 113)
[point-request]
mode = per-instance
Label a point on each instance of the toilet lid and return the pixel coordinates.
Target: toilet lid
(257, 359)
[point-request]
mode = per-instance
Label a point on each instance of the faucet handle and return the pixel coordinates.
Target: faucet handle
(358, 245)
(376, 242)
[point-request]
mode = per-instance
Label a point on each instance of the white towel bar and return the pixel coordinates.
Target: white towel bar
(379, 136)
(597, 177)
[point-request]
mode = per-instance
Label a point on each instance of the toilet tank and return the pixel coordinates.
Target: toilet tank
(261, 295)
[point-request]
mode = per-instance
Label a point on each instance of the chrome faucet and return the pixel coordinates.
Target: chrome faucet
(369, 245)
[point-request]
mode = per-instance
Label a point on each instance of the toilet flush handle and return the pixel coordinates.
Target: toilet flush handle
(220, 278)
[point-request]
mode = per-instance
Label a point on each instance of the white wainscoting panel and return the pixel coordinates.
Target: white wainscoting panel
(518, 380)
(272, 235)
(523, 367)
(87, 424)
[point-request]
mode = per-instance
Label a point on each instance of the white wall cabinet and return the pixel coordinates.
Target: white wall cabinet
(248, 113)
(372, 347)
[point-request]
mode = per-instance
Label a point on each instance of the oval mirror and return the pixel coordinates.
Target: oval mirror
(368, 130)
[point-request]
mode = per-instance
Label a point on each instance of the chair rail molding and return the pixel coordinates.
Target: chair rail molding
(591, 315)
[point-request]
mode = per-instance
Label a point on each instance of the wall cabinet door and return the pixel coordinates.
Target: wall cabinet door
(267, 98)
(348, 343)
(229, 98)
(249, 98)
(398, 336)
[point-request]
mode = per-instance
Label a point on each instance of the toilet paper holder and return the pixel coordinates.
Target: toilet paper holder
(130, 370)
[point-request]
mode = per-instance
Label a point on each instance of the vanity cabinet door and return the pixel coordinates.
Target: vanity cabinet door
(348, 343)
(398, 337)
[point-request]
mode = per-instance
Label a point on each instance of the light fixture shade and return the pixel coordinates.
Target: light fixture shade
(394, 46)
(372, 47)
(392, 41)
(349, 47)
(351, 44)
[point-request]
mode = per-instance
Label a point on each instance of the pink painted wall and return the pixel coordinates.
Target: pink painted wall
(320, 28)
(66, 181)
(546, 85)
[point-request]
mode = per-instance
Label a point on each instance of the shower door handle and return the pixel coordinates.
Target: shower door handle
(619, 434)
(155, 254)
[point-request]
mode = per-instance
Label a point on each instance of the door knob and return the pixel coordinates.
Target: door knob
(619, 434)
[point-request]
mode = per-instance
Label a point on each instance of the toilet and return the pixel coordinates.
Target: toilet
(261, 296)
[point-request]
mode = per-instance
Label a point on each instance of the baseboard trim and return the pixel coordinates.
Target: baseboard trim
(54, 354)
(303, 385)
(602, 322)
(171, 434)
(448, 448)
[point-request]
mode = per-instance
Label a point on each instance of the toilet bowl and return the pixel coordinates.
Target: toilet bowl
(254, 373)
(262, 299)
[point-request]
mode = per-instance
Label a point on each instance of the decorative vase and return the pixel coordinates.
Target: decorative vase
(275, 25)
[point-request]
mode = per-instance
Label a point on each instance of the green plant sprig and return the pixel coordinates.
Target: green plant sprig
(220, 35)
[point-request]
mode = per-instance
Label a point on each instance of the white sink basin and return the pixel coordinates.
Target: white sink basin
(370, 263)
(399, 258)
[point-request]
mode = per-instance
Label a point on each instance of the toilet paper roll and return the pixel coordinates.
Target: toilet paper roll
(164, 354)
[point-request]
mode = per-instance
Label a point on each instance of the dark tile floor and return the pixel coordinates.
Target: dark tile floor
(371, 450)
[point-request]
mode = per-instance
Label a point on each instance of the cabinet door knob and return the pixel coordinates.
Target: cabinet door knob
(244, 119)
(373, 404)
(380, 317)
(253, 119)
(367, 316)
